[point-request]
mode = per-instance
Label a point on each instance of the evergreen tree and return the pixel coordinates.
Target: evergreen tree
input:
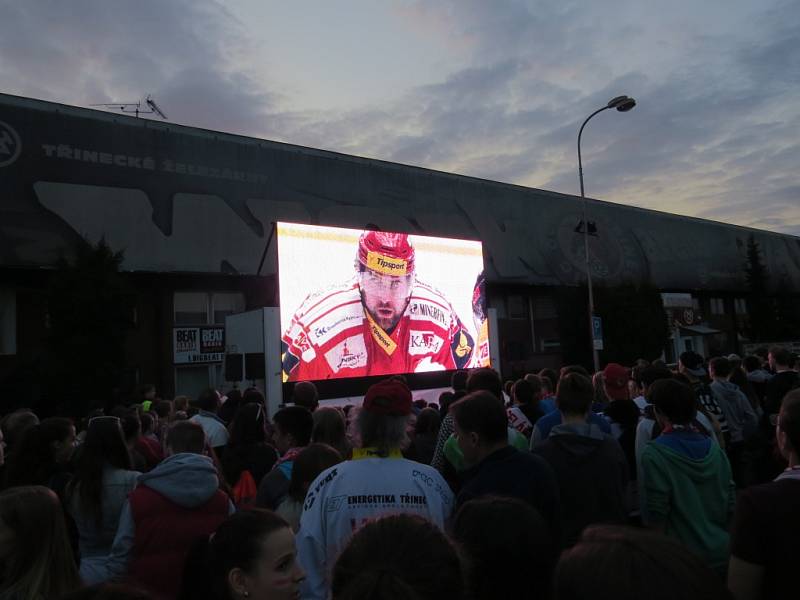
(90, 308)
(760, 307)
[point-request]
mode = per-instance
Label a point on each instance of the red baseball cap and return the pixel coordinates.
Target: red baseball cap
(616, 379)
(386, 253)
(389, 397)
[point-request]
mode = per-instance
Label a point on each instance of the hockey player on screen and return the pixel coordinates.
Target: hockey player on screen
(382, 321)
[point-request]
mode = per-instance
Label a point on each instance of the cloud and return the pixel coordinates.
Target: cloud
(713, 135)
(185, 53)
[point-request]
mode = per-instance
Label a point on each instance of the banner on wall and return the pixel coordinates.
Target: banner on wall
(202, 344)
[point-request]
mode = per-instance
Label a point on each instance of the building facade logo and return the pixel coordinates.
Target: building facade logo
(10, 145)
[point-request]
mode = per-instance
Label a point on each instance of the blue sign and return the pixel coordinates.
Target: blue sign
(597, 332)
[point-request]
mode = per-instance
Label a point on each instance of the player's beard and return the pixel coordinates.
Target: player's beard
(385, 314)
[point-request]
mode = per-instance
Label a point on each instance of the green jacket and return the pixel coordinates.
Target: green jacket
(693, 498)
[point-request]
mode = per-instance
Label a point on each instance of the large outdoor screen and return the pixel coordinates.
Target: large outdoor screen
(358, 303)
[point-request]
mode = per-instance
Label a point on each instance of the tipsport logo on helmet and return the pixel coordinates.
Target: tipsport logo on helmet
(386, 253)
(386, 264)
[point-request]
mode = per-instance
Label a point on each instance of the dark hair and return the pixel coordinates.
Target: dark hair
(549, 379)
(34, 461)
(459, 380)
(721, 366)
(131, 424)
(536, 382)
(428, 421)
(751, 363)
(311, 461)
(233, 400)
(208, 400)
(297, 421)
(673, 399)
(248, 427)
(485, 379)
(147, 422)
(377, 562)
(445, 400)
(649, 375)
(574, 394)
(41, 563)
(252, 395)
(574, 369)
(781, 356)
(305, 394)
(789, 419)
(237, 543)
(109, 591)
(481, 412)
(163, 408)
(330, 428)
(501, 536)
(15, 425)
(104, 445)
(522, 392)
(186, 436)
(622, 562)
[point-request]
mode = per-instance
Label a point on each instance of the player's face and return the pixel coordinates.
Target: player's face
(385, 296)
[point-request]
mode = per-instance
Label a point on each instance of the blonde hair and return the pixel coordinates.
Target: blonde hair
(41, 563)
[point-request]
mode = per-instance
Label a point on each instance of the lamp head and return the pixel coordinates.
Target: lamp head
(621, 103)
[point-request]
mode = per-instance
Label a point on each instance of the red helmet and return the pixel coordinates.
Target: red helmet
(386, 253)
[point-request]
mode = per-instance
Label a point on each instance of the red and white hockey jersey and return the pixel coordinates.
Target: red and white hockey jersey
(331, 335)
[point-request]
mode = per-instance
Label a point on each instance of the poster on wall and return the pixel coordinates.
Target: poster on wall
(202, 344)
(357, 303)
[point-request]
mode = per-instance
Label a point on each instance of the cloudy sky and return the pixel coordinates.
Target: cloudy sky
(494, 89)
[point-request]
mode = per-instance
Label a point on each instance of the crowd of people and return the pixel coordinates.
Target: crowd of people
(635, 482)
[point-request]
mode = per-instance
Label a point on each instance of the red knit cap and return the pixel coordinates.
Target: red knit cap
(616, 377)
(386, 253)
(388, 397)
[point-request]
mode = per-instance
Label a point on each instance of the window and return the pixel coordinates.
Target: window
(191, 308)
(717, 306)
(224, 304)
(544, 307)
(516, 307)
(206, 308)
(740, 306)
(8, 322)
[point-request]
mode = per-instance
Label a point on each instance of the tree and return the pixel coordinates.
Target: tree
(760, 308)
(90, 309)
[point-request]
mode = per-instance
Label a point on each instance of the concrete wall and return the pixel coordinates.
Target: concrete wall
(179, 199)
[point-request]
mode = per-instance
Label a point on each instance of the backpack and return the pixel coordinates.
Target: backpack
(244, 492)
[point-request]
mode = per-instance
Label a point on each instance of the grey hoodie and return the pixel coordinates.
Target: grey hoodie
(188, 480)
(742, 419)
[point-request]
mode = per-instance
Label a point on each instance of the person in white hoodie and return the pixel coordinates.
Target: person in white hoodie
(377, 481)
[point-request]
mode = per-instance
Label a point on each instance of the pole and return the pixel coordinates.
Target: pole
(595, 355)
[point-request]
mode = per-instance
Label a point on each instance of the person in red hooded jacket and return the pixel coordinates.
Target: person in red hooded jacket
(383, 321)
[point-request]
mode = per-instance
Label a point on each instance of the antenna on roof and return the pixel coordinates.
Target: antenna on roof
(136, 107)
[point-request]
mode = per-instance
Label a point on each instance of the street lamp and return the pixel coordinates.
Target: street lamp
(622, 104)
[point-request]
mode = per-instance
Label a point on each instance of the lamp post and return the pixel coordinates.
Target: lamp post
(622, 104)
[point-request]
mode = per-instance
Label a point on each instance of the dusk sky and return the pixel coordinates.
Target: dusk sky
(493, 89)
